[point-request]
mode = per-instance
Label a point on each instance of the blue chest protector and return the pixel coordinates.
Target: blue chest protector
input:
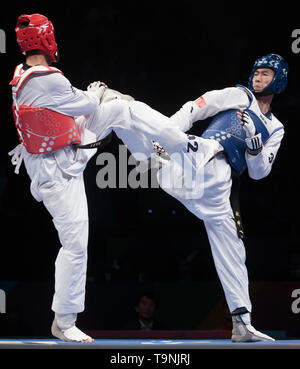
(226, 128)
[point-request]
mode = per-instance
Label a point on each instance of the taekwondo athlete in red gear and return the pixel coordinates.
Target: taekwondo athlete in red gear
(50, 117)
(44, 107)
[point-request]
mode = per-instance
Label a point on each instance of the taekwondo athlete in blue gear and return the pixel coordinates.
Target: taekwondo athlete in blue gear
(225, 126)
(280, 68)
(243, 134)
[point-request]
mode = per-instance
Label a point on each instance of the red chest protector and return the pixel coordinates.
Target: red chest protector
(41, 130)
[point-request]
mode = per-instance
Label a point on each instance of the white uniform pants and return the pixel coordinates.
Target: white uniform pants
(57, 180)
(68, 207)
(229, 257)
(214, 208)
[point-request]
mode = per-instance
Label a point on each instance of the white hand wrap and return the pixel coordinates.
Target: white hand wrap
(253, 140)
(248, 124)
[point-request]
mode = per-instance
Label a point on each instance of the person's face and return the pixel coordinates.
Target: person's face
(146, 308)
(262, 78)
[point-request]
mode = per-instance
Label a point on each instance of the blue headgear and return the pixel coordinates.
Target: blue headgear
(280, 68)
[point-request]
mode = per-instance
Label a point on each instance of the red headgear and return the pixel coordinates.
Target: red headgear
(35, 31)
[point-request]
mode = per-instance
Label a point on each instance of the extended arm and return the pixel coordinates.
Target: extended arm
(209, 104)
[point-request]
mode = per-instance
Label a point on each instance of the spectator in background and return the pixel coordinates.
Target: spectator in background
(146, 308)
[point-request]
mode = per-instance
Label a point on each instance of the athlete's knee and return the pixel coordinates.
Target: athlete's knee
(74, 236)
(119, 106)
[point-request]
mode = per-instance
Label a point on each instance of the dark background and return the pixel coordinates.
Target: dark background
(163, 54)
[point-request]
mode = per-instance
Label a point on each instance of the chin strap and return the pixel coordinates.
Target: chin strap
(265, 92)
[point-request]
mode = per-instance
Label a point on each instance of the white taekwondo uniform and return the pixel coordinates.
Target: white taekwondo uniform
(213, 206)
(57, 176)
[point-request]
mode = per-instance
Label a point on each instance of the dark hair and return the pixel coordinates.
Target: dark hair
(24, 24)
(34, 52)
(39, 52)
(149, 295)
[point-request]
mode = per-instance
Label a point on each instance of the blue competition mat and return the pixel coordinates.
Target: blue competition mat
(146, 344)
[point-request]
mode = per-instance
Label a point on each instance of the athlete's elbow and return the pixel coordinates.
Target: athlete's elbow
(259, 174)
(255, 177)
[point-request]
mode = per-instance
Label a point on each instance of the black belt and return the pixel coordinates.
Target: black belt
(235, 203)
(95, 145)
